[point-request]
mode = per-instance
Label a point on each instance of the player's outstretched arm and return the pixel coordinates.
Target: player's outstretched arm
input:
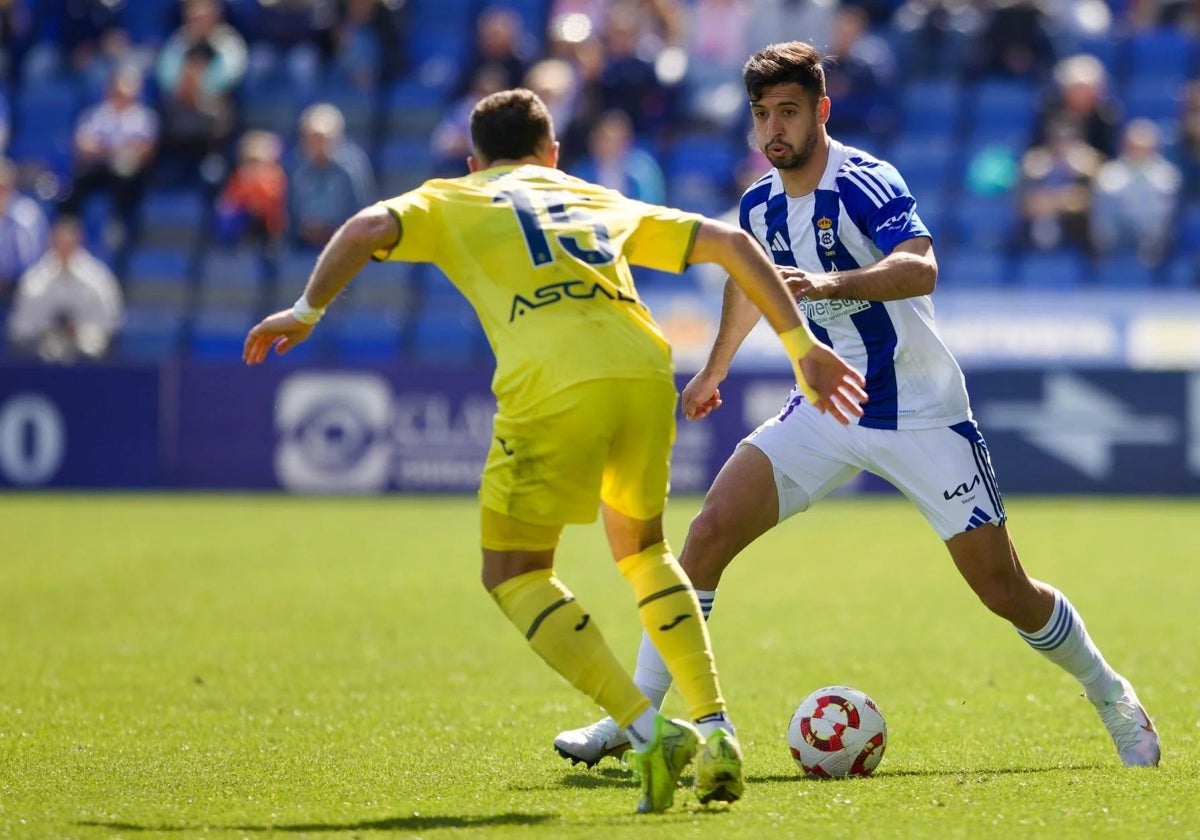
(347, 251)
(825, 379)
(701, 396)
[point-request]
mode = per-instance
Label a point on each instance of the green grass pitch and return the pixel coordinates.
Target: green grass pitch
(263, 666)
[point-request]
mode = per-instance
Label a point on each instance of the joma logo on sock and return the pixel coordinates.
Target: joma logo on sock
(678, 619)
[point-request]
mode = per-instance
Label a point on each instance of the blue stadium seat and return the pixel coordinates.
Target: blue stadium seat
(444, 327)
(149, 21)
(872, 144)
(1189, 225)
(148, 334)
(173, 218)
(219, 334)
(157, 276)
(446, 337)
(969, 268)
(1182, 272)
(231, 278)
(931, 107)
(295, 266)
(438, 41)
(44, 123)
(403, 163)
(929, 163)
(413, 109)
(709, 154)
(931, 208)
(365, 336)
(1001, 108)
(1166, 53)
(383, 287)
(699, 169)
(980, 221)
(270, 103)
(1060, 269)
(1153, 99)
(1123, 271)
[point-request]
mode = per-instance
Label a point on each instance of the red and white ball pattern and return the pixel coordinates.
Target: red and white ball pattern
(837, 731)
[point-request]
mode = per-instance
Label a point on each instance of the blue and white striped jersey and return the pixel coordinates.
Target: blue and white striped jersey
(858, 213)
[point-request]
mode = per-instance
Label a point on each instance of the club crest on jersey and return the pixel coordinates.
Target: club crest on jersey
(825, 236)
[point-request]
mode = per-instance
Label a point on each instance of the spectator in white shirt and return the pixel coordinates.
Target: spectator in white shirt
(1134, 197)
(68, 305)
(115, 142)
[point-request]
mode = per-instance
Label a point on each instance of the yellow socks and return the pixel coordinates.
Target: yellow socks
(558, 629)
(671, 615)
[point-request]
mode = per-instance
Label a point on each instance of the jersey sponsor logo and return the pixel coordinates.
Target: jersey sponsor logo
(555, 292)
(960, 490)
(825, 312)
(897, 222)
(825, 236)
(779, 244)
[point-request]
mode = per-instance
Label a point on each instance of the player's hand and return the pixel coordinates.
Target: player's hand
(830, 384)
(701, 396)
(281, 331)
(804, 284)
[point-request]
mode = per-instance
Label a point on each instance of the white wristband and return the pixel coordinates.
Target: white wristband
(306, 314)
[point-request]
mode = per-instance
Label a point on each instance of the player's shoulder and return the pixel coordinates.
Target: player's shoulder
(434, 188)
(854, 161)
(859, 172)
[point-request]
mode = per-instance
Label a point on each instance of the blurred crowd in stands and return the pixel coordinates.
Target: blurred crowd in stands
(171, 167)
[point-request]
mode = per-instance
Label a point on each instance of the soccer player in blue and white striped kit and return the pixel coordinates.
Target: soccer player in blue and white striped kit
(845, 232)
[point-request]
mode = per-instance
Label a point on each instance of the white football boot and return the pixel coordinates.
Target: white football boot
(1131, 728)
(592, 743)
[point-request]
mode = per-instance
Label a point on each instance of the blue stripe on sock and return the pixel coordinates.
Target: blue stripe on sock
(1061, 623)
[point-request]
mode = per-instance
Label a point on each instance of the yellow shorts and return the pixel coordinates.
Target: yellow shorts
(607, 440)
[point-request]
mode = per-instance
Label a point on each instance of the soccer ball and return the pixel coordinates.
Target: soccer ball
(837, 731)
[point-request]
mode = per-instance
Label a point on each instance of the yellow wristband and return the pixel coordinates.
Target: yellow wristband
(797, 342)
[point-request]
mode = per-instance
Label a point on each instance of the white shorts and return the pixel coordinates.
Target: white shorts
(945, 471)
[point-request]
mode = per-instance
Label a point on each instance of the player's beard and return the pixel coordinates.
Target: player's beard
(796, 159)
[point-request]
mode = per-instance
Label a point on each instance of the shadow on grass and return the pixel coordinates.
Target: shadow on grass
(414, 823)
(609, 777)
(613, 777)
(973, 772)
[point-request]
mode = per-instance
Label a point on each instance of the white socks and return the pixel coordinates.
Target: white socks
(641, 731)
(651, 674)
(1065, 642)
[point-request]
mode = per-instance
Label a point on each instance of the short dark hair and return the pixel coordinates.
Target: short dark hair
(510, 125)
(780, 64)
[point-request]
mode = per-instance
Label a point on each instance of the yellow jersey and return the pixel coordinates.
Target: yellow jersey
(543, 258)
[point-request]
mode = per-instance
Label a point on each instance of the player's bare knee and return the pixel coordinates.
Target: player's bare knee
(705, 531)
(707, 548)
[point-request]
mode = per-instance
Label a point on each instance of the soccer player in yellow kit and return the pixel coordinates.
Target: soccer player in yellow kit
(586, 401)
